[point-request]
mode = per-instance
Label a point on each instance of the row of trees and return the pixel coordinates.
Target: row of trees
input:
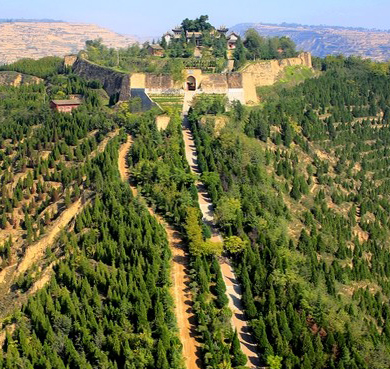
(302, 202)
(158, 165)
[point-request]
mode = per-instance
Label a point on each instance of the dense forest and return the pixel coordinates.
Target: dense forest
(42, 68)
(300, 187)
(108, 304)
(304, 179)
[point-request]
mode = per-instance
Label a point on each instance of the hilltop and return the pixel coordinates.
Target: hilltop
(20, 38)
(37, 39)
(325, 40)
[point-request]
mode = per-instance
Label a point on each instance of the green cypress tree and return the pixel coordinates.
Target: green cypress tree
(161, 359)
(238, 357)
(220, 290)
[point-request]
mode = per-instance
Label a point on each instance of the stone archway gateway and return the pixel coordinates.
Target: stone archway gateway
(191, 83)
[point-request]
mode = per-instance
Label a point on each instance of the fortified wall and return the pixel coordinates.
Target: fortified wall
(115, 83)
(237, 86)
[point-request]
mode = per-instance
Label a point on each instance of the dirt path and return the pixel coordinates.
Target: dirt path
(37, 250)
(10, 300)
(102, 145)
(239, 320)
(45, 277)
(181, 280)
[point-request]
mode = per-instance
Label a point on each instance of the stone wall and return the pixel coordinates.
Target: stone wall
(234, 80)
(138, 80)
(214, 83)
(250, 94)
(242, 85)
(115, 83)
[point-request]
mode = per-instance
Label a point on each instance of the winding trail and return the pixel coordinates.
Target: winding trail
(180, 277)
(234, 292)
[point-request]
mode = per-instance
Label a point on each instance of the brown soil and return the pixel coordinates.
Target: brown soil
(36, 251)
(363, 236)
(162, 122)
(3, 334)
(102, 145)
(181, 290)
(44, 278)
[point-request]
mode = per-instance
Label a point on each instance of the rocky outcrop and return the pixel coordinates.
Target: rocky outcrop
(10, 78)
(116, 84)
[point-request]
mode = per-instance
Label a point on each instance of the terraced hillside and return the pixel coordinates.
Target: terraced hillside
(39, 39)
(85, 270)
(43, 157)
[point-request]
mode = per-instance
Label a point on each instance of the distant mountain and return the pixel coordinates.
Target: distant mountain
(22, 20)
(328, 40)
(36, 39)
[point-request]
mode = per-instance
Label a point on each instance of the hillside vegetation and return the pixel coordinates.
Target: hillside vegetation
(107, 304)
(300, 186)
(305, 180)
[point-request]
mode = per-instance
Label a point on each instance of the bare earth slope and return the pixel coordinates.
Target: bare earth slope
(326, 40)
(38, 39)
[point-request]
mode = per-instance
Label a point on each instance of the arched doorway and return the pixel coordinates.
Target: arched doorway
(191, 83)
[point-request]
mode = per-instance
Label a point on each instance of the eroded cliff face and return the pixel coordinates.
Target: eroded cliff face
(115, 83)
(10, 78)
(266, 72)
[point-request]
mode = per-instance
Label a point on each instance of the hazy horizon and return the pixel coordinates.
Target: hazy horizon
(146, 20)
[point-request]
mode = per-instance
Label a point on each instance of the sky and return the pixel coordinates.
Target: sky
(153, 17)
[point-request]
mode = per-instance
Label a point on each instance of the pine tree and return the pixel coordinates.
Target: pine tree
(295, 190)
(238, 357)
(220, 291)
(287, 134)
(260, 335)
(161, 359)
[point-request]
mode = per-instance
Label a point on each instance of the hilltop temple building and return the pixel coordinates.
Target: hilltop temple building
(178, 33)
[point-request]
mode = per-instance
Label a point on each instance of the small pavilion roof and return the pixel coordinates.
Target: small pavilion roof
(67, 102)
